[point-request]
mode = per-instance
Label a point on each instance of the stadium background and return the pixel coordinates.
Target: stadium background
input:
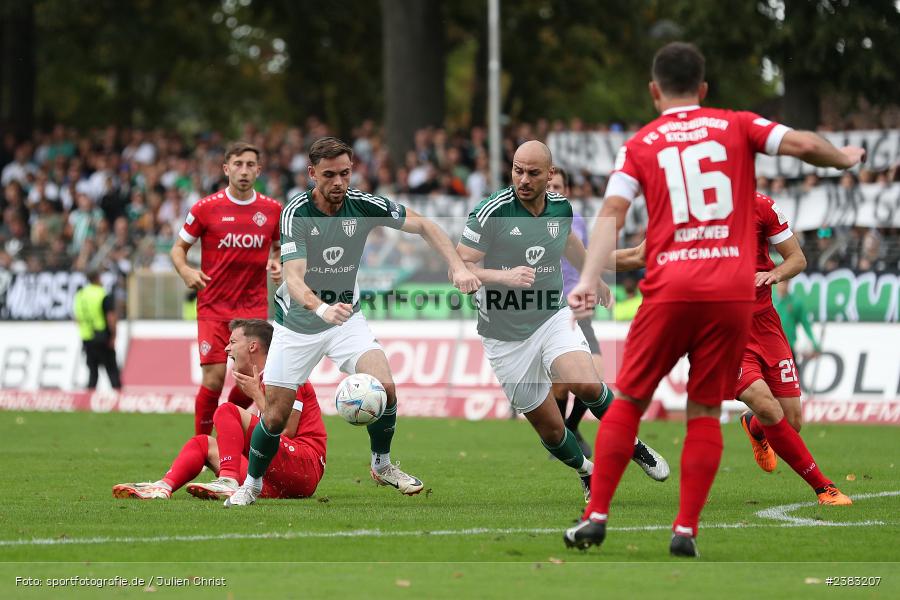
(113, 123)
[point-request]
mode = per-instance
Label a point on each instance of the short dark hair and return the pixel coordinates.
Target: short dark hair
(238, 148)
(678, 69)
(564, 174)
(255, 328)
(328, 147)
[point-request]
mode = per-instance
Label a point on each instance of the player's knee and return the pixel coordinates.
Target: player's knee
(390, 391)
(274, 420)
(795, 419)
(213, 380)
(588, 391)
(553, 434)
(226, 410)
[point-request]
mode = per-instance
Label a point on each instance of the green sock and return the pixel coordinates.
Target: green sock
(568, 451)
(382, 431)
(598, 407)
(263, 446)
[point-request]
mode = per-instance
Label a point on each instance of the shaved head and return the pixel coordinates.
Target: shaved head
(534, 151)
(532, 170)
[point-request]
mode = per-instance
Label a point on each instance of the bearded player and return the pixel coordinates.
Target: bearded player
(238, 232)
(767, 380)
(297, 468)
(695, 167)
(323, 235)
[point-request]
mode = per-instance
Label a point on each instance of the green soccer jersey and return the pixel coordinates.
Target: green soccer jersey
(332, 247)
(511, 237)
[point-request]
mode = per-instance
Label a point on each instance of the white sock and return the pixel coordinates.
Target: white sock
(254, 482)
(380, 461)
(587, 467)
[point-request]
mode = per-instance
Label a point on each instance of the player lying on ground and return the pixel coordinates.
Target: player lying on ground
(300, 462)
(323, 235)
(695, 168)
(518, 236)
(237, 228)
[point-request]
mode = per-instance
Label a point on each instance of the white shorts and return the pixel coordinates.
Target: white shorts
(293, 356)
(523, 367)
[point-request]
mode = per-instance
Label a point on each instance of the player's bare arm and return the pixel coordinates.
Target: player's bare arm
(583, 297)
(273, 265)
(575, 253)
(816, 150)
(629, 259)
(794, 263)
(462, 278)
(518, 277)
(194, 279)
(294, 276)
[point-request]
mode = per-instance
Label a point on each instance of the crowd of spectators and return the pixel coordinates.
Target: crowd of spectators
(115, 198)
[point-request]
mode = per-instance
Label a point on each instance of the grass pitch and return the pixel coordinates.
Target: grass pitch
(489, 524)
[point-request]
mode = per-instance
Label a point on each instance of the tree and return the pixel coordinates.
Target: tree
(17, 71)
(413, 41)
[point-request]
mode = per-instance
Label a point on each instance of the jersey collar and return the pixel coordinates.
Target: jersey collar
(241, 202)
(676, 109)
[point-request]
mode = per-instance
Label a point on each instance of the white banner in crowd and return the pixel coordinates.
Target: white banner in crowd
(439, 369)
(595, 152)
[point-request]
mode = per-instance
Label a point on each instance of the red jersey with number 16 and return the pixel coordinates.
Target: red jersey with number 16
(236, 239)
(696, 169)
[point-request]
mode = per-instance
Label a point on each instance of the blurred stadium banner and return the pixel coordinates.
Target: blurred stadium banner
(440, 371)
(595, 152)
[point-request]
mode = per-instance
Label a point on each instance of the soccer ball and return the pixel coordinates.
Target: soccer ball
(360, 399)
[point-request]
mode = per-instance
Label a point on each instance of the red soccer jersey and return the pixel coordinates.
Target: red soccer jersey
(771, 228)
(696, 169)
(310, 429)
(236, 237)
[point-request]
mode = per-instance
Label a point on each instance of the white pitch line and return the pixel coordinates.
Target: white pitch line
(780, 513)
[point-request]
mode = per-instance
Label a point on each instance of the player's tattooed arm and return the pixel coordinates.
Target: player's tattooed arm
(794, 263)
(295, 277)
(518, 277)
(194, 279)
(461, 277)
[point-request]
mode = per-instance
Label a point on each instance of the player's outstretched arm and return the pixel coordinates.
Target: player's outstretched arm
(194, 279)
(273, 264)
(816, 150)
(295, 277)
(794, 263)
(463, 279)
(519, 277)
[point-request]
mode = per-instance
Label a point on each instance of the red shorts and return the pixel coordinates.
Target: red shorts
(768, 357)
(295, 471)
(212, 337)
(712, 334)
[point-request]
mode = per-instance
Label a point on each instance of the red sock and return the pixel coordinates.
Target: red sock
(204, 406)
(612, 451)
(756, 428)
(699, 462)
(236, 396)
(230, 437)
(188, 463)
(788, 444)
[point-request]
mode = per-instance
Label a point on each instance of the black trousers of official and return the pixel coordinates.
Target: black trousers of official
(99, 353)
